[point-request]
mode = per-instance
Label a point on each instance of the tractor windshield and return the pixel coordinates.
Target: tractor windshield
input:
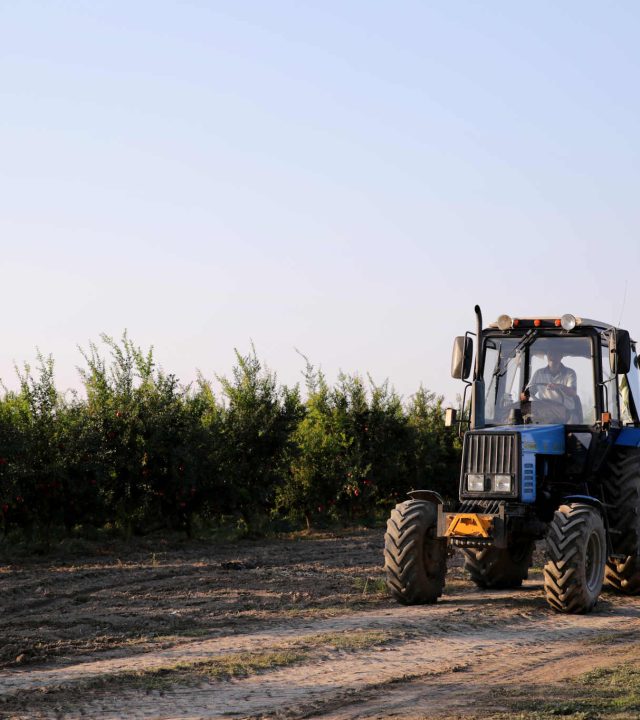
(541, 379)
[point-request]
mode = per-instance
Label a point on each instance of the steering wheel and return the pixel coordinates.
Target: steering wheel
(504, 408)
(548, 411)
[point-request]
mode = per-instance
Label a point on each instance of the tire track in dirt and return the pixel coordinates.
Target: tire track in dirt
(397, 619)
(463, 642)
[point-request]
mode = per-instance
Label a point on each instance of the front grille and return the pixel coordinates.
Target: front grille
(491, 453)
(488, 454)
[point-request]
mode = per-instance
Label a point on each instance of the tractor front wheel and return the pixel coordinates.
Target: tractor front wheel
(415, 559)
(576, 555)
(499, 568)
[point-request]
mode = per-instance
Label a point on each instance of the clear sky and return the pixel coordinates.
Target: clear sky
(346, 178)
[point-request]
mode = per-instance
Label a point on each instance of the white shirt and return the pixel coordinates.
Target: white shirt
(543, 377)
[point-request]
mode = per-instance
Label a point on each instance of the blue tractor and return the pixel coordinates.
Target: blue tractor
(551, 450)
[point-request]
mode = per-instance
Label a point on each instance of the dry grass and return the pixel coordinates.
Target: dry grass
(606, 693)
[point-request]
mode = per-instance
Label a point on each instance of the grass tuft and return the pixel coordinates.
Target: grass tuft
(350, 640)
(611, 693)
(371, 585)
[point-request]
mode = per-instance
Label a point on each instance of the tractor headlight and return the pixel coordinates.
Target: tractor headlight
(475, 483)
(568, 322)
(504, 322)
(502, 483)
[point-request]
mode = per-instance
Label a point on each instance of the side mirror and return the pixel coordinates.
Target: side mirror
(619, 351)
(461, 357)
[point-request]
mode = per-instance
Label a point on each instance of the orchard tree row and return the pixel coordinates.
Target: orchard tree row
(138, 451)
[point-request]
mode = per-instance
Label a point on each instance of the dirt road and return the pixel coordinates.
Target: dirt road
(284, 629)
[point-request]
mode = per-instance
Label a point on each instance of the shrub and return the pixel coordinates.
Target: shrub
(257, 444)
(142, 452)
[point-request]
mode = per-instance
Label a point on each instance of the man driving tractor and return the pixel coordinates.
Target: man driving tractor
(556, 383)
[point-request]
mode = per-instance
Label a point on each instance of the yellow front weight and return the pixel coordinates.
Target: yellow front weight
(468, 524)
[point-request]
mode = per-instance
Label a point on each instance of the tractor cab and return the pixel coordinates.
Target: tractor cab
(548, 371)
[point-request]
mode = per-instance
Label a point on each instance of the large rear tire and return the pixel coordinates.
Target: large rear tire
(622, 490)
(499, 568)
(623, 575)
(576, 552)
(415, 559)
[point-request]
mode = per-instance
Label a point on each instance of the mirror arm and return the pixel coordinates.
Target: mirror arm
(463, 420)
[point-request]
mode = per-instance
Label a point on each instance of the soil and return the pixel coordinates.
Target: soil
(135, 632)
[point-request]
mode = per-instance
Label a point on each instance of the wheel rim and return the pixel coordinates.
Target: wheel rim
(593, 561)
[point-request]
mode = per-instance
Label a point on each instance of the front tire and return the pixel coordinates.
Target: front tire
(415, 559)
(499, 568)
(576, 552)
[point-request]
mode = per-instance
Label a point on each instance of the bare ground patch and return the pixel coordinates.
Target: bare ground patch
(127, 600)
(287, 629)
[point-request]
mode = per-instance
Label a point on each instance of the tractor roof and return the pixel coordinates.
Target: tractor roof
(583, 322)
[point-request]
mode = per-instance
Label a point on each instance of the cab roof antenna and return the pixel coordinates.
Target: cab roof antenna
(624, 300)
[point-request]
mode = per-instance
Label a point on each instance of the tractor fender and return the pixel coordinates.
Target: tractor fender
(597, 504)
(586, 500)
(429, 495)
(628, 437)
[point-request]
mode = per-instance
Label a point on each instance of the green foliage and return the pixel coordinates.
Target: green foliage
(319, 465)
(359, 449)
(257, 445)
(34, 482)
(435, 458)
(154, 438)
(140, 451)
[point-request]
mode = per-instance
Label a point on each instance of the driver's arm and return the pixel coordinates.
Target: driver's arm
(532, 388)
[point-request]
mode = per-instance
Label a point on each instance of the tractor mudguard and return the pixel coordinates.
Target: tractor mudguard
(628, 437)
(585, 500)
(429, 495)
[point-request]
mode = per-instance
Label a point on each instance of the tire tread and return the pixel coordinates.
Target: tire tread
(415, 562)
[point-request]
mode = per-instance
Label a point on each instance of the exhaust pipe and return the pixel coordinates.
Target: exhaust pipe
(477, 388)
(478, 312)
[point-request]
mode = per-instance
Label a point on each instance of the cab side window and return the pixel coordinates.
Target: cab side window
(630, 390)
(610, 386)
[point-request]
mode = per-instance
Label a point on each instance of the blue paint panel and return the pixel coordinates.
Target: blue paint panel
(528, 490)
(536, 440)
(629, 437)
(543, 439)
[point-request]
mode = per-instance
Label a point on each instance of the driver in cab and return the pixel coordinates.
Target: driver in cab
(556, 382)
